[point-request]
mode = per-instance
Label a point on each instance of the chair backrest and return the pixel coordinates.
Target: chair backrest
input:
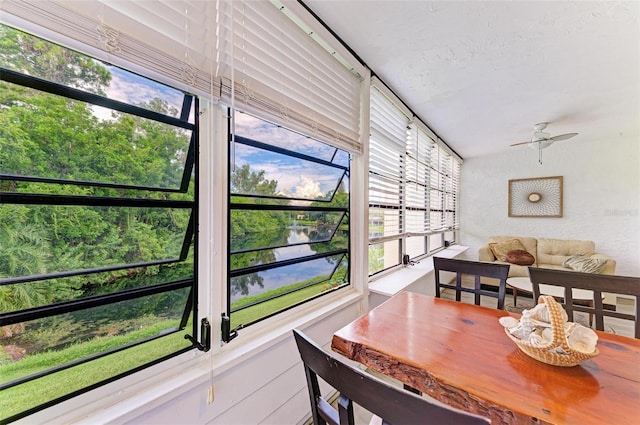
(393, 404)
(599, 284)
(478, 270)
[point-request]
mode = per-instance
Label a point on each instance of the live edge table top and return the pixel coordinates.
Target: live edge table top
(459, 354)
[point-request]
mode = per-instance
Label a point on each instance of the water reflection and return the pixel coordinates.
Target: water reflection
(308, 271)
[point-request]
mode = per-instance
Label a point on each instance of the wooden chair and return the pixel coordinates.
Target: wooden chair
(478, 270)
(393, 404)
(598, 283)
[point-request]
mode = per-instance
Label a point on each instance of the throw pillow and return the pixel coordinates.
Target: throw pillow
(585, 264)
(520, 257)
(500, 249)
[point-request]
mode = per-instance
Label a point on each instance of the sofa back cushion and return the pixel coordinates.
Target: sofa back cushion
(556, 251)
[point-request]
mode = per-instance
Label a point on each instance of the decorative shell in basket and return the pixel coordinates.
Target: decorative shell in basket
(545, 334)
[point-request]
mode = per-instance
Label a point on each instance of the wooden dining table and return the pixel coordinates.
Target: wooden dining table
(459, 354)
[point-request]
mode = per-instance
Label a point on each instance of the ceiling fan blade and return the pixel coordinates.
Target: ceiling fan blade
(563, 137)
(521, 143)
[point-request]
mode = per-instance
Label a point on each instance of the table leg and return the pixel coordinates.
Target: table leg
(515, 296)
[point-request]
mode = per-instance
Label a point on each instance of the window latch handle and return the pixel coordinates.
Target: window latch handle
(205, 336)
(227, 333)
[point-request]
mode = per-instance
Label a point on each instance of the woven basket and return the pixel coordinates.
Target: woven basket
(547, 353)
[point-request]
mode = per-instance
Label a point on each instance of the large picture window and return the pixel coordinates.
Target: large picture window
(98, 210)
(288, 220)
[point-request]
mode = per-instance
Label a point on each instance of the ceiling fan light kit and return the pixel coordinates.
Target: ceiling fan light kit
(541, 140)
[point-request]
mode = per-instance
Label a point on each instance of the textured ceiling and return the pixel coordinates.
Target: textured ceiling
(481, 74)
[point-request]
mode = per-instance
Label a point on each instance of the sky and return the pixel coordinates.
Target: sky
(131, 88)
(296, 177)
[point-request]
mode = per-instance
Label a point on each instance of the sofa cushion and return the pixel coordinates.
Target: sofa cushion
(530, 244)
(556, 251)
(520, 257)
(500, 249)
(585, 264)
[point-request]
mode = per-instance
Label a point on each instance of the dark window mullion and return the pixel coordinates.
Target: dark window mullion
(297, 260)
(282, 151)
(188, 165)
(90, 201)
(271, 207)
(71, 273)
(188, 236)
(83, 96)
(11, 177)
(35, 313)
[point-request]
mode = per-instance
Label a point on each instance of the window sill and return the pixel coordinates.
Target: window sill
(394, 282)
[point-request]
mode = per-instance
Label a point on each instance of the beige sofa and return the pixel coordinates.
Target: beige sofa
(549, 253)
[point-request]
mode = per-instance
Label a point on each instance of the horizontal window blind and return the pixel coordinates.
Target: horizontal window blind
(172, 41)
(444, 182)
(419, 151)
(387, 165)
(281, 73)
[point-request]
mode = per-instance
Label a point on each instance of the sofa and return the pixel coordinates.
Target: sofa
(562, 254)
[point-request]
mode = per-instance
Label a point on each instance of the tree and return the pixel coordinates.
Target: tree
(49, 136)
(31, 55)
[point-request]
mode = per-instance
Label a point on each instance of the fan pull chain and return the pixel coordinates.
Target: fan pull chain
(540, 153)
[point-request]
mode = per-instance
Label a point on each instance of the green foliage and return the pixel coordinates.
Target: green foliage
(50, 136)
(28, 54)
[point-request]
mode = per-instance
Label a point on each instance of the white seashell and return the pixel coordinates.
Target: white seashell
(547, 335)
(508, 321)
(535, 338)
(541, 312)
(581, 338)
(524, 329)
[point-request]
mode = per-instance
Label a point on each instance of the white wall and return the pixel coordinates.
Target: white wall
(601, 197)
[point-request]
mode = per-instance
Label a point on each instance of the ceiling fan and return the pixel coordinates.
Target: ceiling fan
(541, 139)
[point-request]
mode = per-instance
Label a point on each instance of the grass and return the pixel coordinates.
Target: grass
(31, 394)
(250, 314)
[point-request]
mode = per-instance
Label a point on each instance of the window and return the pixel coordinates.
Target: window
(98, 211)
(387, 174)
(288, 220)
(413, 186)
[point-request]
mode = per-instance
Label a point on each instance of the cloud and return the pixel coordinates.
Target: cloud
(257, 129)
(307, 188)
(133, 89)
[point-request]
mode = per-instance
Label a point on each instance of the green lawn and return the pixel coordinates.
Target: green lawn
(250, 314)
(25, 396)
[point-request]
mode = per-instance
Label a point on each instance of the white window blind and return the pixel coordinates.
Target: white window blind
(282, 73)
(445, 176)
(420, 148)
(413, 183)
(387, 165)
(172, 41)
